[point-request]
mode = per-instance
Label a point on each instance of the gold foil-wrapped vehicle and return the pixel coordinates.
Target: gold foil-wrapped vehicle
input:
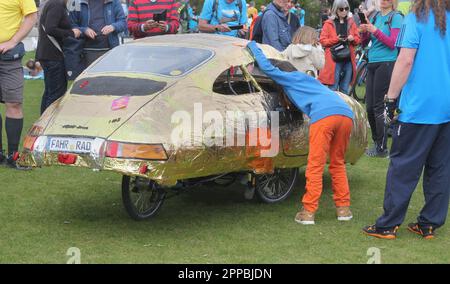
(179, 109)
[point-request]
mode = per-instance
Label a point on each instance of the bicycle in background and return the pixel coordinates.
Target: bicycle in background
(358, 89)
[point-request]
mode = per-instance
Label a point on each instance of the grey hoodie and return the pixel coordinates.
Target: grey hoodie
(305, 57)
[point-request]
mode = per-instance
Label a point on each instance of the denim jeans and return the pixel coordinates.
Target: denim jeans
(55, 79)
(342, 77)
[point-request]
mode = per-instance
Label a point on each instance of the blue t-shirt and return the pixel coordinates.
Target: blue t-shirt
(379, 52)
(193, 24)
(425, 98)
(226, 13)
(304, 91)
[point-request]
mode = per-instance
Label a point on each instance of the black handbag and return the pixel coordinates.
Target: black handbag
(15, 53)
(340, 52)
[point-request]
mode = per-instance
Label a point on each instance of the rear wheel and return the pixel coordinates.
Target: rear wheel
(359, 88)
(141, 197)
(276, 187)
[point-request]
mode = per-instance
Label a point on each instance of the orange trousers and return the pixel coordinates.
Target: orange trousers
(328, 136)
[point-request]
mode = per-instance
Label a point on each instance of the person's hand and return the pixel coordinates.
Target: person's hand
(107, 30)
(8, 45)
(350, 38)
(242, 32)
(162, 25)
(239, 44)
(76, 33)
(150, 24)
(390, 110)
(371, 28)
(363, 28)
(223, 28)
(341, 38)
(90, 33)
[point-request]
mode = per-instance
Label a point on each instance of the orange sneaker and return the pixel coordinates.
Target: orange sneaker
(427, 232)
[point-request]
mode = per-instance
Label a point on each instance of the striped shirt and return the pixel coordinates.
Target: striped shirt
(140, 11)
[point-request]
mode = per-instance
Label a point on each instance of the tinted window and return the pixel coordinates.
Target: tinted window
(161, 60)
(116, 86)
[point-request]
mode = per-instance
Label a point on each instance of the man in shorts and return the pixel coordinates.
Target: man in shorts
(17, 18)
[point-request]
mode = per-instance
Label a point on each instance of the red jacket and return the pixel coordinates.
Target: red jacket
(140, 11)
(328, 38)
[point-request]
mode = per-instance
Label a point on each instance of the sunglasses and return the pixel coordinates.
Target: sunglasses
(344, 9)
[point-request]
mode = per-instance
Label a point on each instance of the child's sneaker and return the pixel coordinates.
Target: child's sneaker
(388, 234)
(343, 213)
(304, 217)
(427, 232)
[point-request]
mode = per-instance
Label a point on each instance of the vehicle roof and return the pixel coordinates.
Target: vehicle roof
(226, 53)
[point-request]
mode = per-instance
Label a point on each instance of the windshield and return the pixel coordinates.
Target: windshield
(169, 61)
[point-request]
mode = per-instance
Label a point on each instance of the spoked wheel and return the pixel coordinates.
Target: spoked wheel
(141, 197)
(276, 187)
(359, 88)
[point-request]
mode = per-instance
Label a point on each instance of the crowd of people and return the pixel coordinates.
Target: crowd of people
(399, 61)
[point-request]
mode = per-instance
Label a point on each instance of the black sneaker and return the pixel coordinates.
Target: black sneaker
(427, 232)
(11, 162)
(388, 234)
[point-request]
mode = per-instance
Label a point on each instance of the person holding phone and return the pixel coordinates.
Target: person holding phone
(340, 28)
(150, 18)
(100, 22)
(382, 30)
(226, 17)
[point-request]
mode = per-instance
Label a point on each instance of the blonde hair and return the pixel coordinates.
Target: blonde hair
(305, 35)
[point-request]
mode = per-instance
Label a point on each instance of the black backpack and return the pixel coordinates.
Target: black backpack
(257, 32)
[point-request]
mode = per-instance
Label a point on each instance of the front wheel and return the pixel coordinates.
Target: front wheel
(276, 187)
(141, 197)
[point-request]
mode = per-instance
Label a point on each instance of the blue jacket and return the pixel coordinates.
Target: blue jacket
(304, 91)
(276, 29)
(114, 16)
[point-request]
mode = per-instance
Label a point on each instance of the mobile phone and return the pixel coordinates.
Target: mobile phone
(160, 17)
(362, 18)
(240, 27)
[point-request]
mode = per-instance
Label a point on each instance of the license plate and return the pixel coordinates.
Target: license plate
(69, 144)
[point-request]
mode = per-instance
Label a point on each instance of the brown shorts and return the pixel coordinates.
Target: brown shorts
(11, 81)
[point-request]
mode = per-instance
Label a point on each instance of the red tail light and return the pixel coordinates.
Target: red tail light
(67, 159)
(138, 151)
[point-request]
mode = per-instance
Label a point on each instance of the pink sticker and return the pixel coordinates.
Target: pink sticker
(120, 103)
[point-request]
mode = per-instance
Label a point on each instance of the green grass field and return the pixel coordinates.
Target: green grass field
(46, 211)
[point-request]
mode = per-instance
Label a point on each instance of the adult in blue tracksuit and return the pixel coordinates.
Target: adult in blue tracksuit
(421, 139)
(101, 22)
(275, 26)
(331, 125)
